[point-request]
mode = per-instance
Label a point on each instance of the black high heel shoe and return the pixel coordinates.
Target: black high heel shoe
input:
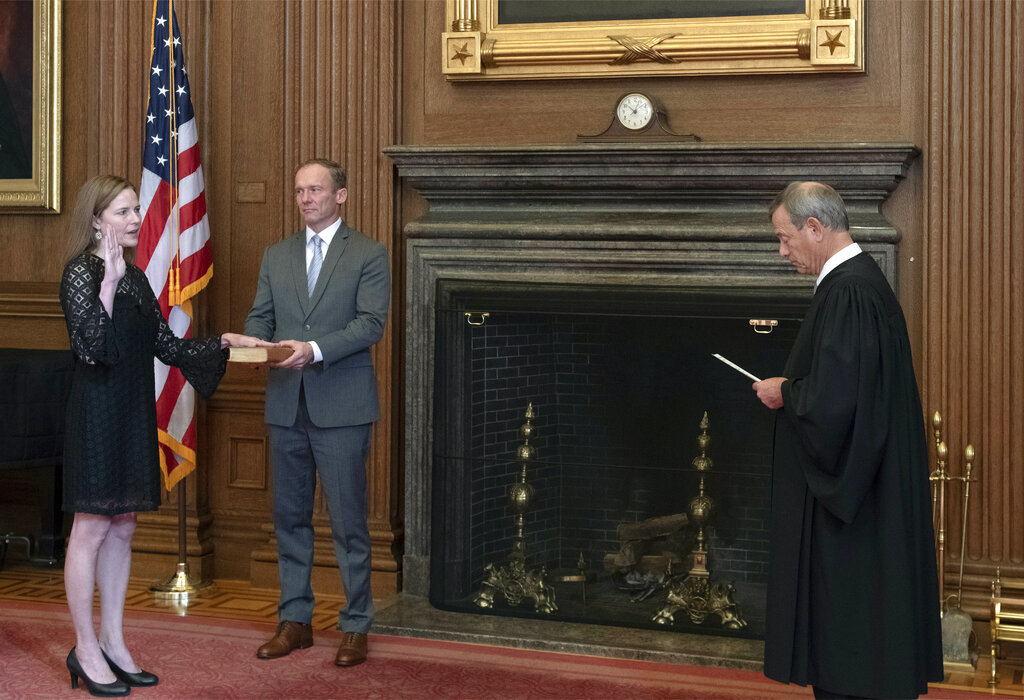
(116, 689)
(140, 679)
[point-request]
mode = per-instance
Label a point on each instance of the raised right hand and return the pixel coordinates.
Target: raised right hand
(113, 257)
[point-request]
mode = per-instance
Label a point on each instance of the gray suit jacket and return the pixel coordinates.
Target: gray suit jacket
(345, 316)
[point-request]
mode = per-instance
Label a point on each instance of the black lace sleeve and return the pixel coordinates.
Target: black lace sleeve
(90, 329)
(201, 360)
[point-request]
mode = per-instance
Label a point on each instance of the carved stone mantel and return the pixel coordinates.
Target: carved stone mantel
(690, 215)
(624, 174)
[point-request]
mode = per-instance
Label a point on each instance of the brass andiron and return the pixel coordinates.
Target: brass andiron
(512, 580)
(694, 593)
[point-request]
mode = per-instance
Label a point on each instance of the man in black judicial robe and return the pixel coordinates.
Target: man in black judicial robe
(853, 606)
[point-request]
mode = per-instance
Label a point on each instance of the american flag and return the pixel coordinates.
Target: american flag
(174, 243)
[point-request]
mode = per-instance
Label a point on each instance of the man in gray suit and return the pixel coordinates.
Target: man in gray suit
(324, 293)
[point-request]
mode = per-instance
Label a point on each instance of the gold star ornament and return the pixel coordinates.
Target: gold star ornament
(833, 41)
(462, 53)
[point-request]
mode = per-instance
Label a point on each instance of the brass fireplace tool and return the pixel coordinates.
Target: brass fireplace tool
(694, 593)
(959, 644)
(512, 580)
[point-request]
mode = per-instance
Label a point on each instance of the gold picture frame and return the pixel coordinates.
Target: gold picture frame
(827, 37)
(39, 190)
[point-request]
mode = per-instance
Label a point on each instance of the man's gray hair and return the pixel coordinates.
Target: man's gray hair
(802, 200)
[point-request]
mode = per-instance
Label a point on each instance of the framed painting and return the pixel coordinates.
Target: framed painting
(30, 70)
(532, 39)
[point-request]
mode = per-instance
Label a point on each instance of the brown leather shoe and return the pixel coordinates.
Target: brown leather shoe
(352, 650)
(290, 635)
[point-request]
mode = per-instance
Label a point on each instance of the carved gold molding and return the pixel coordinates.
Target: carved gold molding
(829, 36)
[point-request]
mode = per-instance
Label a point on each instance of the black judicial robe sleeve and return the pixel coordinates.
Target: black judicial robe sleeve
(853, 594)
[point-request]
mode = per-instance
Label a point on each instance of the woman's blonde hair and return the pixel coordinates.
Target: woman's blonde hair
(93, 198)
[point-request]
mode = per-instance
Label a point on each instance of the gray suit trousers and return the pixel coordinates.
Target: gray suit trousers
(338, 455)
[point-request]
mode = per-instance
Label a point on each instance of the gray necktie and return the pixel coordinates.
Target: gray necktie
(315, 264)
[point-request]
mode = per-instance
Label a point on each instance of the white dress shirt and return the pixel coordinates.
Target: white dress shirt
(836, 260)
(326, 236)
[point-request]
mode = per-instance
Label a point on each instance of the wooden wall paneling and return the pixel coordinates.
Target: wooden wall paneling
(31, 317)
(244, 172)
(239, 484)
(1013, 132)
(339, 64)
(973, 336)
(120, 46)
(371, 126)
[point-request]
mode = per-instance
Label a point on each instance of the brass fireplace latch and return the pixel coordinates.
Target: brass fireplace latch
(761, 326)
(476, 318)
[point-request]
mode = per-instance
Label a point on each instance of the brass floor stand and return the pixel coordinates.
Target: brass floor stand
(180, 587)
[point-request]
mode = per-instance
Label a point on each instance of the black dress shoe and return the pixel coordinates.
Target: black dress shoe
(140, 679)
(116, 689)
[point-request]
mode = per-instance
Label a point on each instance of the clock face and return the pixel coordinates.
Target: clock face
(635, 111)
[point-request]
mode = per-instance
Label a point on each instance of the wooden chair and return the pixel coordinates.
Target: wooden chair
(1006, 620)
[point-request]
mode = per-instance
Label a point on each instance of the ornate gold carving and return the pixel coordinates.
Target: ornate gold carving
(637, 49)
(465, 19)
(803, 44)
(833, 42)
(604, 50)
(466, 25)
(698, 46)
(461, 52)
(834, 9)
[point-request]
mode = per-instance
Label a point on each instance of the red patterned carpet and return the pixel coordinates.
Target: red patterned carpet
(206, 658)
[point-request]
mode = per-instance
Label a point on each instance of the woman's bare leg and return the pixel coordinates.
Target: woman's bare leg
(88, 534)
(113, 566)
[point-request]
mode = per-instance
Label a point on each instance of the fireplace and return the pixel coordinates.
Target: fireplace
(619, 380)
(592, 283)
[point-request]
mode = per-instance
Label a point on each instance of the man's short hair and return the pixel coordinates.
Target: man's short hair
(337, 172)
(802, 200)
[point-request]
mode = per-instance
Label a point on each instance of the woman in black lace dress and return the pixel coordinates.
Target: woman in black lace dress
(111, 463)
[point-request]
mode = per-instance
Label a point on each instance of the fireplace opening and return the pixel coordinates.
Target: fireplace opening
(644, 459)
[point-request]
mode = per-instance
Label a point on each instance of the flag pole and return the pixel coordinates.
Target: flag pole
(178, 588)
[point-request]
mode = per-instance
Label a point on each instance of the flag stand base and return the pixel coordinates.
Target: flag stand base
(180, 587)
